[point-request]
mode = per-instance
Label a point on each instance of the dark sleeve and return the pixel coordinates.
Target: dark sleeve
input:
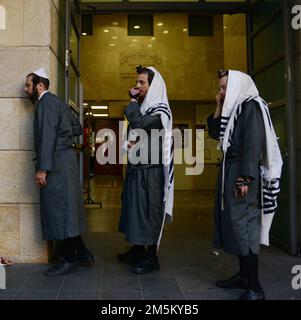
(48, 121)
(138, 121)
(252, 139)
(214, 126)
(77, 128)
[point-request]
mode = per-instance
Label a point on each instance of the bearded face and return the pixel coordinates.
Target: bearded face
(31, 90)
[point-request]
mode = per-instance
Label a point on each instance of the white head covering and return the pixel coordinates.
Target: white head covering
(156, 93)
(41, 73)
(240, 88)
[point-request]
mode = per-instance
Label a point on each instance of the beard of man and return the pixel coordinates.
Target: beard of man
(34, 97)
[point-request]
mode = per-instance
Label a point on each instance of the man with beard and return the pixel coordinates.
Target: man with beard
(147, 197)
(57, 174)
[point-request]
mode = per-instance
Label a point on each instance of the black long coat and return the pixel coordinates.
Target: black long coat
(237, 228)
(61, 204)
(143, 190)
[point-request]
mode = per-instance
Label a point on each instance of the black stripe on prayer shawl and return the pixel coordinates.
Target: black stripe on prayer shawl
(267, 192)
(270, 197)
(160, 107)
(224, 122)
(270, 194)
(160, 110)
(171, 165)
(171, 180)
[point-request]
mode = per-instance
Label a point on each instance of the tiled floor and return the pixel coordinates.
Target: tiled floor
(188, 271)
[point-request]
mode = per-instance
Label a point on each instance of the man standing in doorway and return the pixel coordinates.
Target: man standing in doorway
(248, 182)
(57, 174)
(147, 197)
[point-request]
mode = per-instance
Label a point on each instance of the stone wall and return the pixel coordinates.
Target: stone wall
(28, 41)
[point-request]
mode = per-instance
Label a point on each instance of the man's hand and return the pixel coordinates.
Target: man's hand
(134, 93)
(241, 187)
(41, 178)
(219, 105)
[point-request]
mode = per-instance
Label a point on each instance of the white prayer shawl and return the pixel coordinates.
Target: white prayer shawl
(156, 103)
(241, 88)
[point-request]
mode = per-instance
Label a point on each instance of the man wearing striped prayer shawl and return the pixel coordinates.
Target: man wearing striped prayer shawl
(245, 136)
(147, 196)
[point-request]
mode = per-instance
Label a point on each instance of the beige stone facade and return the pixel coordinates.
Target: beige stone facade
(28, 42)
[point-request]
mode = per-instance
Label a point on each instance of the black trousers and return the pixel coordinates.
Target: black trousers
(249, 270)
(74, 247)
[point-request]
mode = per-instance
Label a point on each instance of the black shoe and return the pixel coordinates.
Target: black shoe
(235, 282)
(86, 261)
(147, 265)
(132, 256)
(62, 269)
(249, 294)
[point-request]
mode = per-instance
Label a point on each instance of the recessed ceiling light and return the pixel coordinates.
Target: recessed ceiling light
(185, 29)
(153, 38)
(84, 33)
(112, 44)
(85, 104)
(165, 31)
(115, 23)
(105, 30)
(136, 27)
(149, 45)
(114, 37)
(100, 115)
(99, 107)
(134, 40)
(160, 24)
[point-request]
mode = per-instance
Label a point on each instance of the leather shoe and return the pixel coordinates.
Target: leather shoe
(132, 256)
(147, 265)
(86, 261)
(235, 282)
(249, 294)
(62, 269)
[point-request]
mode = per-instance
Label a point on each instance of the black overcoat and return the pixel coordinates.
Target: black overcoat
(61, 203)
(237, 227)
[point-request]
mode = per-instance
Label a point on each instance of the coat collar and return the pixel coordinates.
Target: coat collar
(42, 95)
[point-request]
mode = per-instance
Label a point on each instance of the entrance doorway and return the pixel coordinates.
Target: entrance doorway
(107, 67)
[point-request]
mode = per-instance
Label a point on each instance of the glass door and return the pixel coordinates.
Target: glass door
(268, 65)
(73, 91)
